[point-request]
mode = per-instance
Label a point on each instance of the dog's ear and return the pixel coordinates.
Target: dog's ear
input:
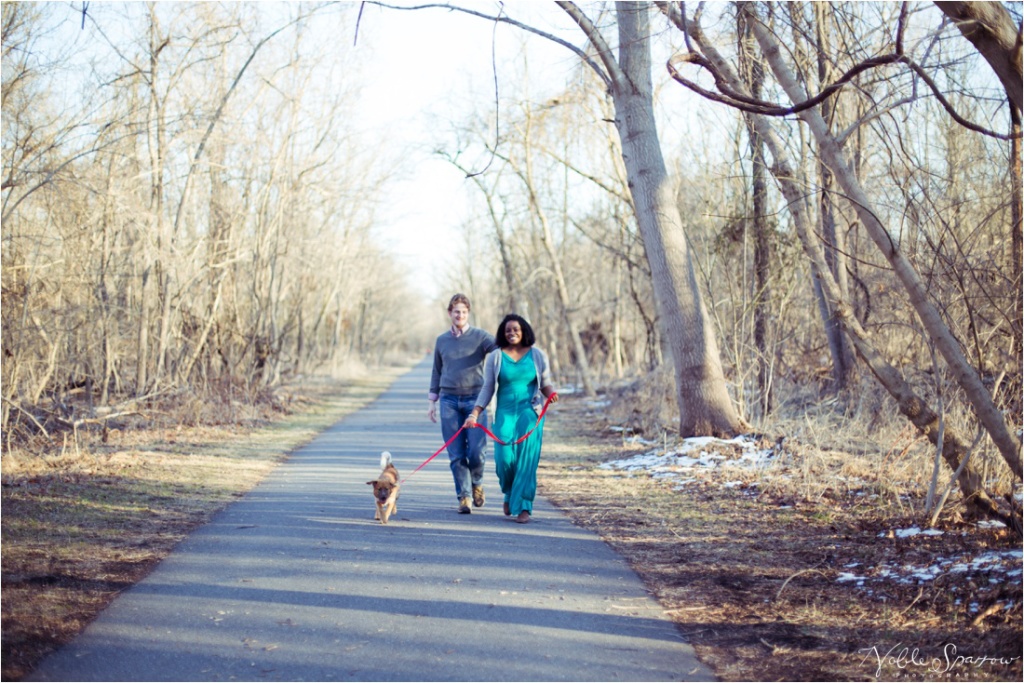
(371, 483)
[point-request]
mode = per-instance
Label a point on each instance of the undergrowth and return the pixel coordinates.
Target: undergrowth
(830, 443)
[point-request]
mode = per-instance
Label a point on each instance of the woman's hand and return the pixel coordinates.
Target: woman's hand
(470, 421)
(553, 397)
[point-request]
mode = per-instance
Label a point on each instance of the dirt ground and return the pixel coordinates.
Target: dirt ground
(754, 582)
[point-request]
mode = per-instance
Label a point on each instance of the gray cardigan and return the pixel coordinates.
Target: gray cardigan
(492, 366)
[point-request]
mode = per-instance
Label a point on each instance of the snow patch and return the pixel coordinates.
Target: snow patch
(997, 565)
(680, 463)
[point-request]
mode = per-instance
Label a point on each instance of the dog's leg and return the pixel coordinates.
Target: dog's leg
(390, 506)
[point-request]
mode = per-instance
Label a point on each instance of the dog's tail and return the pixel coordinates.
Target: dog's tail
(385, 459)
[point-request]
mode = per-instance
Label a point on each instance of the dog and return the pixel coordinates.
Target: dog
(385, 489)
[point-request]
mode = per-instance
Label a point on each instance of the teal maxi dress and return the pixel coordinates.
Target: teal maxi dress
(516, 464)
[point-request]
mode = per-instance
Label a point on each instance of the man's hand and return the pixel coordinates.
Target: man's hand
(432, 411)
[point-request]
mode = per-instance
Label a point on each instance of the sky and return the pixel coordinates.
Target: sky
(431, 67)
(425, 71)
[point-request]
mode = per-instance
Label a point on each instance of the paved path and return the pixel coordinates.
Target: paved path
(297, 582)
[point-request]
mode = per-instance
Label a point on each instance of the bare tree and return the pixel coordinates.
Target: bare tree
(952, 447)
(947, 344)
(753, 75)
(211, 196)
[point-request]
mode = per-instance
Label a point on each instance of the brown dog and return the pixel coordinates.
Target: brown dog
(385, 489)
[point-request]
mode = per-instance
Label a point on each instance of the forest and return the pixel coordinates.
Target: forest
(796, 222)
(832, 215)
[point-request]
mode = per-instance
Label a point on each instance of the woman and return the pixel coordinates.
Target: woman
(518, 372)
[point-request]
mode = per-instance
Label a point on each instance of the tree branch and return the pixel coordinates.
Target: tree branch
(614, 76)
(512, 22)
(751, 105)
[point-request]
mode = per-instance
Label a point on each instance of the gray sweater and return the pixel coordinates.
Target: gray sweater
(458, 363)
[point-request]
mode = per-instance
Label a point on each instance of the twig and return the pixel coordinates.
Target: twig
(752, 105)
(684, 609)
(913, 602)
(94, 420)
(802, 571)
(359, 18)
(30, 416)
(508, 20)
(989, 611)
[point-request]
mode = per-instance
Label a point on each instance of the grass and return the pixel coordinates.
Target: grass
(81, 524)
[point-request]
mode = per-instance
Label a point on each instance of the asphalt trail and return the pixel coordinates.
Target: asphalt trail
(297, 582)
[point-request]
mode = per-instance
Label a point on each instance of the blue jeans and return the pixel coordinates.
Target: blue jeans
(466, 453)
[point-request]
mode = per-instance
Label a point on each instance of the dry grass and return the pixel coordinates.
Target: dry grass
(750, 573)
(85, 520)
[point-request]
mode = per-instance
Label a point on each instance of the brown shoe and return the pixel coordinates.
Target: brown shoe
(464, 506)
(478, 496)
(523, 518)
(506, 510)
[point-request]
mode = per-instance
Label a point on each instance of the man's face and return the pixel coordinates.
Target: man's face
(459, 315)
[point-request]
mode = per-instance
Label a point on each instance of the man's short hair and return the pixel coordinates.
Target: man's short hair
(459, 299)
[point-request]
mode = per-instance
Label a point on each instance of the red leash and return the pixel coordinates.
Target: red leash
(527, 434)
(423, 464)
(486, 431)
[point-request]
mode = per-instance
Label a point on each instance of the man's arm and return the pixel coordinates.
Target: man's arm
(434, 391)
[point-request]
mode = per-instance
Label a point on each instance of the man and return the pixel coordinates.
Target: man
(454, 384)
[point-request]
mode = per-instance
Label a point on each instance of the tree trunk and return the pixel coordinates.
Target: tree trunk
(512, 302)
(704, 404)
(151, 269)
(909, 403)
(616, 346)
(1016, 233)
(842, 355)
(564, 300)
(990, 29)
(762, 294)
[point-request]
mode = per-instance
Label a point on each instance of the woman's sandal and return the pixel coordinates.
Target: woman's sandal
(523, 518)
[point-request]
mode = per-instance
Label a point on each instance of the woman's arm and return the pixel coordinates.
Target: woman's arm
(473, 415)
(487, 391)
(544, 377)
